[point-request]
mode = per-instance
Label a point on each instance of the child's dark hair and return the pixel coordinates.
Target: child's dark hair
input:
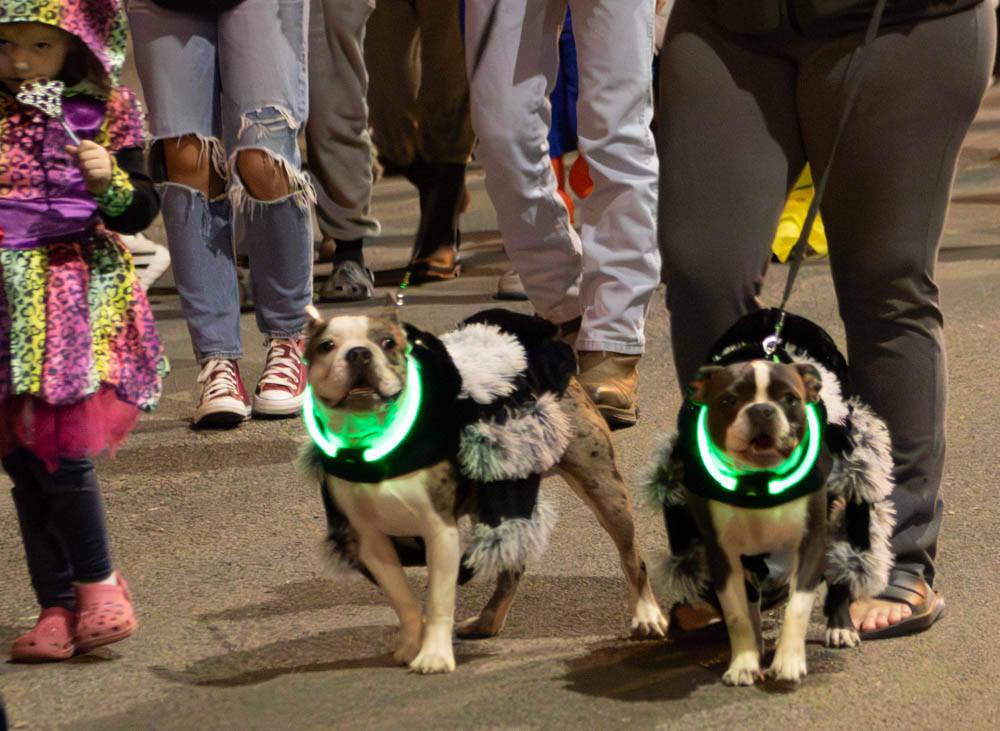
(81, 64)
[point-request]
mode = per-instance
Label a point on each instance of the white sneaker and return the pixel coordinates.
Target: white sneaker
(510, 287)
(281, 389)
(223, 401)
(151, 260)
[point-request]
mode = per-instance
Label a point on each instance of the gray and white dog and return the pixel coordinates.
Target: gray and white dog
(410, 432)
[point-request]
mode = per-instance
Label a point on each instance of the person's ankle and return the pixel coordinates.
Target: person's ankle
(111, 579)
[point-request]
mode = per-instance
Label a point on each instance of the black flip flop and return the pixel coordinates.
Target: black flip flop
(926, 604)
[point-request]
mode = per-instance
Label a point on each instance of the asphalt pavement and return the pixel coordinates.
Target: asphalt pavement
(242, 626)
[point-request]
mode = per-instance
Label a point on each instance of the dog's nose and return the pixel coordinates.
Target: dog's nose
(359, 355)
(761, 413)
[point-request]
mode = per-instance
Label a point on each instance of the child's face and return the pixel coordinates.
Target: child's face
(31, 50)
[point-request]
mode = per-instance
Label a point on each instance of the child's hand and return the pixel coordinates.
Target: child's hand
(95, 164)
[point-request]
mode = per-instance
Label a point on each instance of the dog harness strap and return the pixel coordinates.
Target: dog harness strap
(705, 474)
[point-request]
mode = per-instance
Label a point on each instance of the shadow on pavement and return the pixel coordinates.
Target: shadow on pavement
(320, 653)
(658, 671)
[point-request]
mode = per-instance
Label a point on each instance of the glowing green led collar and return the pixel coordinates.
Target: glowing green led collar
(381, 443)
(787, 474)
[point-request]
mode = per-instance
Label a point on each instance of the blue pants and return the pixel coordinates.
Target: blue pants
(237, 81)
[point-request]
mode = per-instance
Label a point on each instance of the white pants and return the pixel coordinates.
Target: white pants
(609, 271)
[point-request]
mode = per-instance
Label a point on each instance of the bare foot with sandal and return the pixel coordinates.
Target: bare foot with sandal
(907, 606)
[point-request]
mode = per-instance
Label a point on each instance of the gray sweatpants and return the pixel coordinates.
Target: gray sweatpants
(739, 117)
(339, 147)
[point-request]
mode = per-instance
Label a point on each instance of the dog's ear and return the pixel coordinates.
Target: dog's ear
(698, 388)
(315, 321)
(314, 325)
(811, 379)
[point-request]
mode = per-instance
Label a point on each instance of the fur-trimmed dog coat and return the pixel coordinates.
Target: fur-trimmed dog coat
(490, 404)
(861, 516)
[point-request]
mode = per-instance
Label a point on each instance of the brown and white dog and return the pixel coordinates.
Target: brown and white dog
(492, 414)
(756, 417)
(777, 478)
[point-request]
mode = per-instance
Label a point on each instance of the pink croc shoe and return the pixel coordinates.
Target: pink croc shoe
(50, 640)
(103, 614)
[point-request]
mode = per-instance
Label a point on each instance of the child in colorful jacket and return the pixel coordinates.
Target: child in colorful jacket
(80, 357)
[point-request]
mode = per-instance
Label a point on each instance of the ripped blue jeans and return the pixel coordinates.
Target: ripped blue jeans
(237, 81)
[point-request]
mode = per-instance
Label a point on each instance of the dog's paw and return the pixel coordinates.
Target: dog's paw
(743, 670)
(788, 664)
(648, 621)
(410, 639)
(406, 653)
(842, 637)
(433, 661)
(478, 627)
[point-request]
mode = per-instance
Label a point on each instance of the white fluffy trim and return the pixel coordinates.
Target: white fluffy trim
(866, 573)
(531, 440)
(511, 544)
(830, 391)
(866, 473)
(488, 360)
(665, 483)
(686, 577)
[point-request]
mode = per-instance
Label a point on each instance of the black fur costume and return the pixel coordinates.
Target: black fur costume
(858, 485)
(490, 404)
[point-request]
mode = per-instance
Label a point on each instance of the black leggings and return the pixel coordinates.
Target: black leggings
(739, 117)
(62, 525)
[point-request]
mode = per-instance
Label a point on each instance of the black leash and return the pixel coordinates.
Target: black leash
(798, 252)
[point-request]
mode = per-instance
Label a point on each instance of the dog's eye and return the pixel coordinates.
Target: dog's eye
(728, 400)
(388, 344)
(324, 347)
(792, 399)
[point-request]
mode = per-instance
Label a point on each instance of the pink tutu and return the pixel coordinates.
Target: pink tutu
(73, 431)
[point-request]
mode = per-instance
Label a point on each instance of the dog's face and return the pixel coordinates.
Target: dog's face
(357, 365)
(756, 409)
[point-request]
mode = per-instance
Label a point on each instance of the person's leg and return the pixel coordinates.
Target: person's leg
(264, 107)
(176, 59)
(392, 48)
(48, 563)
(614, 44)
(53, 637)
(444, 133)
(77, 517)
(175, 56)
(103, 602)
(621, 263)
(509, 85)
(884, 212)
(338, 144)
(729, 151)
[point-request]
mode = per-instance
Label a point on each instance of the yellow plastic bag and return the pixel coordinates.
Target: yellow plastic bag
(792, 218)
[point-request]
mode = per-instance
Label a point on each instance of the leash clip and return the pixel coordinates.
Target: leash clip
(770, 345)
(771, 342)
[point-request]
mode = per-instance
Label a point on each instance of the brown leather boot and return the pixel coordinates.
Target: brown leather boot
(612, 382)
